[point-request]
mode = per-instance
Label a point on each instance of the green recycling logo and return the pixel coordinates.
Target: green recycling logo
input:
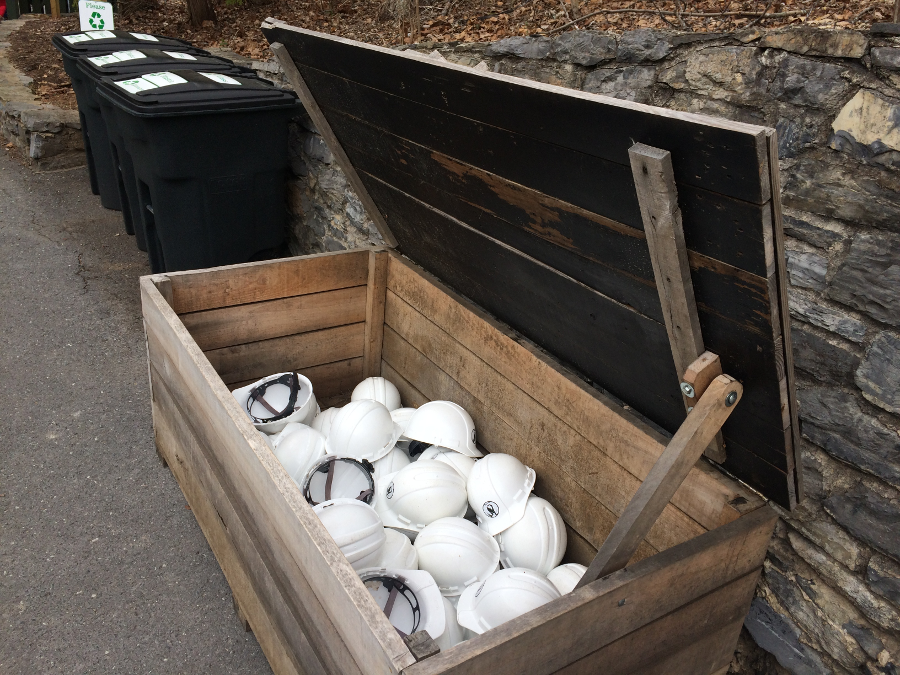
(96, 21)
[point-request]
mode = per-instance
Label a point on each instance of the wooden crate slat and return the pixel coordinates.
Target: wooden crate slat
(607, 481)
(268, 280)
(580, 623)
(705, 144)
(328, 380)
(293, 352)
(271, 503)
(240, 324)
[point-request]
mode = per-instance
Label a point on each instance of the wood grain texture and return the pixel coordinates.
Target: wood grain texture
(376, 289)
(309, 103)
(293, 352)
(329, 380)
(608, 482)
(706, 495)
(563, 631)
(217, 287)
(239, 324)
(288, 531)
(666, 476)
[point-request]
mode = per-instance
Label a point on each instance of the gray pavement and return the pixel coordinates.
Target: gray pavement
(102, 566)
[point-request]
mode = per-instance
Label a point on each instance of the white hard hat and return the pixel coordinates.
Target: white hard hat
(462, 463)
(410, 599)
(456, 553)
(503, 596)
(377, 389)
(419, 494)
(446, 424)
(274, 401)
(288, 428)
(339, 478)
(402, 416)
(498, 488)
(355, 528)
(298, 448)
(453, 632)
(537, 541)
(362, 430)
(392, 462)
(398, 552)
(322, 421)
(566, 577)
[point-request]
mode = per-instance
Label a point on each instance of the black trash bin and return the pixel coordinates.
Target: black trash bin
(134, 62)
(210, 161)
(91, 43)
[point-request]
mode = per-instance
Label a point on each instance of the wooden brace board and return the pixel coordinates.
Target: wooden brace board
(520, 196)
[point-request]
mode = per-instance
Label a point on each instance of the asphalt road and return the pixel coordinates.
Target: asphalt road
(103, 569)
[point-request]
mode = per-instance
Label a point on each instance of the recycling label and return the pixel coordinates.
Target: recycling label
(221, 79)
(136, 85)
(145, 36)
(96, 16)
(150, 81)
(75, 39)
(181, 55)
(117, 57)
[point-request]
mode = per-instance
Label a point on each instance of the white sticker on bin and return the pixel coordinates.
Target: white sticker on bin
(164, 79)
(117, 57)
(100, 34)
(221, 79)
(78, 37)
(136, 85)
(145, 36)
(181, 55)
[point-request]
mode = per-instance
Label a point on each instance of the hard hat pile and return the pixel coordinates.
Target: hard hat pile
(446, 539)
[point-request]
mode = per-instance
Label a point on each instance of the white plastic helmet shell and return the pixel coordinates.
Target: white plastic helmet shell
(338, 478)
(462, 463)
(537, 541)
(419, 494)
(446, 424)
(392, 462)
(377, 389)
(355, 528)
(362, 430)
(503, 596)
(402, 416)
(498, 488)
(298, 449)
(566, 577)
(322, 421)
(456, 553)
(453, 632)
(288, 428)
(398, 552)
(305, 407)
(431, 613)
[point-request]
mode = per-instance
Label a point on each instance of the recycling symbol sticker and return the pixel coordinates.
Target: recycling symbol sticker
(96, 21)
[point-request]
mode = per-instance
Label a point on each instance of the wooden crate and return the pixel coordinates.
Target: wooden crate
(337, 318)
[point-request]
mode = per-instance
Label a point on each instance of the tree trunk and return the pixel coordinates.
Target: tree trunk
(200, 11)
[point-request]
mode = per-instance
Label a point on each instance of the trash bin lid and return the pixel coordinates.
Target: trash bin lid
(79, 43)
(191, 92)
(137, 61)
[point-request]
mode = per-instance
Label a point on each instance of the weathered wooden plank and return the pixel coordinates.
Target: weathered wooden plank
(652, 497)
(264, 609)
(578, 507)
(271, 503)
(715, 648)
(293, 352)
(312, 108)
(593, 123)
(377, 287)
(329, 380)
(422, 141)
(607, 481)
(590, 618)
(239, 324)
(706, 495)
(195, 291)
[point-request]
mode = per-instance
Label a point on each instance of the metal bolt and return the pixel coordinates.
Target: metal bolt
(731, 399)
(687, 390)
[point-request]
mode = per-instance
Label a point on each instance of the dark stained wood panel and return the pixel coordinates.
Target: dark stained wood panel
(520, 196)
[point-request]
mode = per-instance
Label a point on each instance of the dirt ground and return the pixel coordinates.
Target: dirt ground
(377, 22)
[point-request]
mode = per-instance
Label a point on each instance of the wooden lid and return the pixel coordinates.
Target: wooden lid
(520, 195)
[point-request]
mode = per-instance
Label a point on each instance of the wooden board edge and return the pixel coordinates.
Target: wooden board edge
(375, 299)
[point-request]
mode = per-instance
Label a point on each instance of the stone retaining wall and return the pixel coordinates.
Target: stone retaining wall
(829, 598)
